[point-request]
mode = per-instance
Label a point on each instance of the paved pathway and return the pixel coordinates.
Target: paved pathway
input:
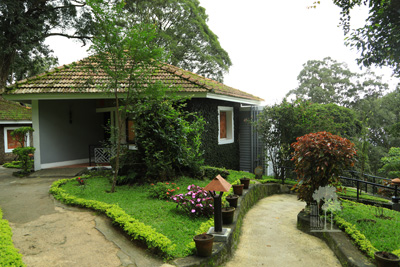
(270, 238)
(50, 234)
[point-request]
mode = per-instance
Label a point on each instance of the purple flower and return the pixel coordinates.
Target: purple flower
(193, 210)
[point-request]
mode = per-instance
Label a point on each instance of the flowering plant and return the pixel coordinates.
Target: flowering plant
(81, 181)
(163, 190)
(197, 201)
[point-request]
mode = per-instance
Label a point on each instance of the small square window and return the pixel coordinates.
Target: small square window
(10, 142)
(225, 125)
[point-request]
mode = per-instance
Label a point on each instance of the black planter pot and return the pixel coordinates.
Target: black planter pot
(238, 189)
(233, 200)
(204, 244)
(245, 182)
(390, 260)
(227, 215)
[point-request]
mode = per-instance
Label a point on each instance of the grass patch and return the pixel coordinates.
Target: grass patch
(369, 229)
(352, 192)
(162, 215)
(266, 180)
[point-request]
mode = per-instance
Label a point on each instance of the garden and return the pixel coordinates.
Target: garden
(138, 209)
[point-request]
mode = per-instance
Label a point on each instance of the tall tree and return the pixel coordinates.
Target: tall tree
(124, 51)
(183, 32)
(329, 81)
(379, 39)
(279, 126)
(25, 24)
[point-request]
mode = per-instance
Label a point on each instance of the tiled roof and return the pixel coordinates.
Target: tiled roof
(12, 111)
(73, 78)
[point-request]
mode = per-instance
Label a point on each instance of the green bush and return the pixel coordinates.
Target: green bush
(9, 255)
(210, 172)
(13, 164)
(167, 137)
(162, 190)
(23, 153)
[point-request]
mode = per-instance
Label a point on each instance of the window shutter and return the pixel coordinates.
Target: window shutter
(222, 124)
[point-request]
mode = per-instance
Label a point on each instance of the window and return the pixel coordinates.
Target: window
(226, 127)
(130, 132)
(11, 142)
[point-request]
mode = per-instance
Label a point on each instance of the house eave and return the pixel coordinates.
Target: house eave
(15, 122)
(72, 96)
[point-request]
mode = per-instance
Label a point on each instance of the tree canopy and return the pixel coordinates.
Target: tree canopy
(379, 39)
(183, 32)
(328, 81)
(24, 26)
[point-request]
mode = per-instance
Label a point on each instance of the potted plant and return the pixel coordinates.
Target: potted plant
(233, 200)
(204, 244)
(238, 189)
(227, 214)
(386, 259)
(246, 182)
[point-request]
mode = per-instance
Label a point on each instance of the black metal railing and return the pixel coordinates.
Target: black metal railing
(369, 184)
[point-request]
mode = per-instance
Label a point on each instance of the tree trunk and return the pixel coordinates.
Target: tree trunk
(5, 65)
(119, 131)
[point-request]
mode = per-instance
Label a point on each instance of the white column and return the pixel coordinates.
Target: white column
(36, 134)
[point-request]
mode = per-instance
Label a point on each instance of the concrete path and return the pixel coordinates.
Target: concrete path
(50, 234)
(270, 238)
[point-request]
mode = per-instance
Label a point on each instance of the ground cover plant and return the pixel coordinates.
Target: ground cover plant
(9, 255)
(372, 228)
(352, 192)
(161, 215)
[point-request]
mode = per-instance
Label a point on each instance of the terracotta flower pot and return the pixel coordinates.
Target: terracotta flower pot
(233, 200)
(246, 182)
(204, 244)
(238, 189)
(385, 259)
(227, 215)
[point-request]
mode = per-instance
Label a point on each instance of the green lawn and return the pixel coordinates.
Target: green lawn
(352, 192)
(380, 226)
(162, 215)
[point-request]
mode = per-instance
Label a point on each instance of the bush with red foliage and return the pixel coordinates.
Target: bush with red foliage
(320, 158)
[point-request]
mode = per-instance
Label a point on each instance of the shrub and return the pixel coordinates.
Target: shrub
(319, 159)
(13, 164)
(24, 156)
(162, 190)
(9, 255)
(196, 202)
(167, 137)
(23, 153)
(212, 172)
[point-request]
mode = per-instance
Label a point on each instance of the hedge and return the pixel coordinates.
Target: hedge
(134, 228)
(9, 255)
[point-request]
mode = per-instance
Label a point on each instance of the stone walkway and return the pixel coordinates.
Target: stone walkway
(48, 233)
(270, 237)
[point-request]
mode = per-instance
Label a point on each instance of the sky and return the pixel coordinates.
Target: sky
(268, 42)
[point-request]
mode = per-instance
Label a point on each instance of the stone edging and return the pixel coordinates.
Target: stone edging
(338, 242)
(222, 251)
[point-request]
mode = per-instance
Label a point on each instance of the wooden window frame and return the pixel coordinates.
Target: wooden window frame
(6, 129)
(228, 124)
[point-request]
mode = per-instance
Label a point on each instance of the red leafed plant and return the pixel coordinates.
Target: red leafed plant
(319, 159)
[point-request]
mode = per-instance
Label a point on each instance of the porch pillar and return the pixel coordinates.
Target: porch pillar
(36, 134)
